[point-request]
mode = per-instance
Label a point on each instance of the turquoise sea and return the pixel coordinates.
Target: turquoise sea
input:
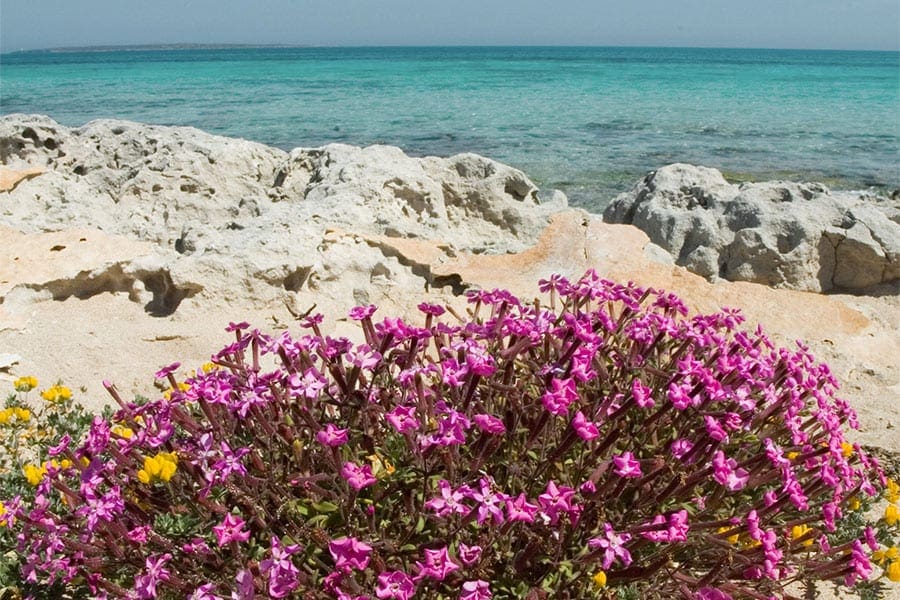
(588, 121)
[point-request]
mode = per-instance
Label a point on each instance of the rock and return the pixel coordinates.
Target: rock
(10, 178)
(234, 218)
(795, 235)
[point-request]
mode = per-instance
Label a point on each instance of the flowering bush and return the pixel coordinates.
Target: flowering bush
(600, 445)
(28, 427)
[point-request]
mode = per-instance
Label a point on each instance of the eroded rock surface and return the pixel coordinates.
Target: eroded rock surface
(795, 235)
(240, 219)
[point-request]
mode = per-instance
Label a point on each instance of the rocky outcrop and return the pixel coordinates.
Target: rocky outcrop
(240, 219)
(795, 235)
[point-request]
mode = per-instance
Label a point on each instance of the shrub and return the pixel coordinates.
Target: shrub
(601, 445)
(28, 428)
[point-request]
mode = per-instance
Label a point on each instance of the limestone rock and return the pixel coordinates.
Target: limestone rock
(795, 235)
(236, 218)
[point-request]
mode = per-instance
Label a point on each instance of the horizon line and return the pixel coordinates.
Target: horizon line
(162, 47)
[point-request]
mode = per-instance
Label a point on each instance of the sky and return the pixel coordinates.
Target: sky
(832, 24)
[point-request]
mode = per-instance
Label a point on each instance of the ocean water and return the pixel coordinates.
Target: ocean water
(588, 121)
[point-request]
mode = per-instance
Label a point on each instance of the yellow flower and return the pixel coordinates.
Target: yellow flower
(22, 414)
(122, 431)
(891, 514)
(57, 393)
(893, 571)
(880, 556)
(3, 518)
(25, 384)
(892, 491)
(798, 531)
(381, 467)
(732, 539)
(793, 455)
(182, 387)
(160, 467)
(5, 415)
(208, 367)
(599, 579)
(34, 473)
(847, 449)
(853, 503)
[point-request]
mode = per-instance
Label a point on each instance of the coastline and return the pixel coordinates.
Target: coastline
(105, 278)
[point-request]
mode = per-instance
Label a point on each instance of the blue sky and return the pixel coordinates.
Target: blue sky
(838, 24)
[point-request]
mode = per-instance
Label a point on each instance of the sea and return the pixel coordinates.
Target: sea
(589, 121)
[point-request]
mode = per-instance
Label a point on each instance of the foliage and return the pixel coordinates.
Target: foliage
(28, 428)
(602, 445)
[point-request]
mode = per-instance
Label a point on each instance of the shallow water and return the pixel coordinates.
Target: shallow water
(588, 121)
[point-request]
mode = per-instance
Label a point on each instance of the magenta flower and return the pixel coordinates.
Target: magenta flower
(167, 370)
(437, 565)
(395, 584)
(561, 394)
(626, 465)
(490, 502)
(681, 447)
(642, 394)
(475, 590)
(403, 419)
(708, 593)
(520, 509)
(308, 386)
(450, 500)
(555, 500)
(358, 477)
(489, 424)
(586, 430)
(349, 553)
(469, 555)
(332, 436)
(280, 570)
(155, 572)
(726, 472)
(431, 309)
(231, 530)
(613, 546)
(358, 313)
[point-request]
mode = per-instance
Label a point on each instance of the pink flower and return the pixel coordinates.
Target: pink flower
(489, 424)
(357, 477)
(450, 500)
(309, 385)
(586, 430)
(490, 502)
(280, 570)
(437, 565)
(154, 573)
(681, 447)
(642, 394)
(167, 370)
(475, 590)
(431, 309)
(561, 394)
(613, 546)
(469, 555)
(395, 584)
(358, 313)
(520, 509)
(138, 535)
(403, 419)
(626, 465)
(231, 530)
(349, 553)
(726, 472)
(556, 500)
(332, 436)
(708, 593)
